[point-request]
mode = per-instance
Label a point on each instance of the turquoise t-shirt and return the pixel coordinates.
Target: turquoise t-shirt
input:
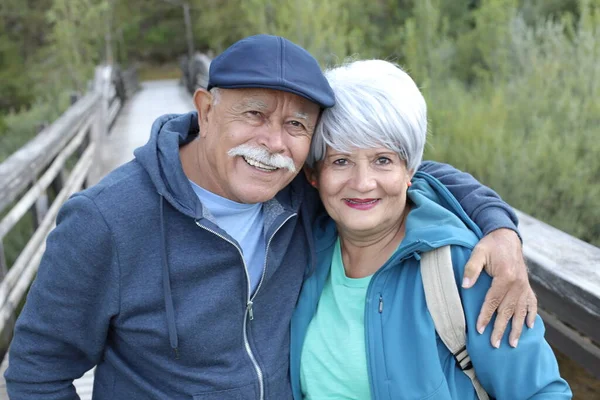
(334, 361)
(244, 223)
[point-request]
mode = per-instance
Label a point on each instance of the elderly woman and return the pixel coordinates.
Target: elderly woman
(362, 328)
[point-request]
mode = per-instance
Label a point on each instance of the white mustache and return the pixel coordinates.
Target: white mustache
(263, 156)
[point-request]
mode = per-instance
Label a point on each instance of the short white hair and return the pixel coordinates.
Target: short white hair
(377, 104)
(216, 95)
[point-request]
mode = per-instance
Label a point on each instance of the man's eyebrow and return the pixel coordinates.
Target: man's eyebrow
(301, 115)
(304, 116)
(251, 103)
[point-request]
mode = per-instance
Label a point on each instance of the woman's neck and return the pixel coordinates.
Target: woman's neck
(363, 255)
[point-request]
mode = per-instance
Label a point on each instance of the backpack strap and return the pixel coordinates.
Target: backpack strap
(445, 307)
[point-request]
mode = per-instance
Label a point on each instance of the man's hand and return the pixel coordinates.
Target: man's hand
(500, 253)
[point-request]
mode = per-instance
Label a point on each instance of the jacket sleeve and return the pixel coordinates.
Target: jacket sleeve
(481, 203)
(62, 329)
(529, 371)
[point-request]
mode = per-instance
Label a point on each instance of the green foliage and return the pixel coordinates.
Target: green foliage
(529, 128)
(224, 22)
(21, 37)
(76, 41)
(16, 129)
(512, 85)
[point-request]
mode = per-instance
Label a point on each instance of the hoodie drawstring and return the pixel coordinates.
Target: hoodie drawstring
(167, 285)
(308, 232)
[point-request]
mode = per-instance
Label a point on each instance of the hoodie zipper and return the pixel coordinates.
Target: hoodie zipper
(248, 313)
(265, 264)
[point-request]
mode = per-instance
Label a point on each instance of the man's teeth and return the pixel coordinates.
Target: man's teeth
(260, 165)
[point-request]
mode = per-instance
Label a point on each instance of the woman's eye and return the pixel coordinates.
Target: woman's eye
(340, 161)
(383, 161)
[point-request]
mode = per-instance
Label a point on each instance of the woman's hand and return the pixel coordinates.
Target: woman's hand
(510, 295)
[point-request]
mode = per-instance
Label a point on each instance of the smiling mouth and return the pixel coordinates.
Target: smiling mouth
(260, 166)
(361, 201)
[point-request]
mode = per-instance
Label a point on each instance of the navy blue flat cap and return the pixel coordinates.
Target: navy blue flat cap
(271, 62)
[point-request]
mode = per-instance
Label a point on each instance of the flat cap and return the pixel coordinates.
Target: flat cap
(271, 62)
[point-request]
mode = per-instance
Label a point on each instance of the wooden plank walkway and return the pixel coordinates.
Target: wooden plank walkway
(131, 130)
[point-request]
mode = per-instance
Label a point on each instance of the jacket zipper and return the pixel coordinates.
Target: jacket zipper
(247, 314)
(409, 250)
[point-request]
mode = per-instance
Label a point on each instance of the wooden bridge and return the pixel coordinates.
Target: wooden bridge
(100, 131)
(100, 148)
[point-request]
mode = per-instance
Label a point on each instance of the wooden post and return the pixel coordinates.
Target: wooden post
(188, 29)
(6, 334)
(39, 210)
(3, 265)
(108, 40)
(40, 207)
(58, 182)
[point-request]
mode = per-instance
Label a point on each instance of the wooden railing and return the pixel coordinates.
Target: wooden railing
(45, 162)
(565, 274)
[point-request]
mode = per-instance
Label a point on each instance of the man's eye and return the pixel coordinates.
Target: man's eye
(253, 113)
(297, 124)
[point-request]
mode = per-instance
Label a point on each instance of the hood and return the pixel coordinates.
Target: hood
(160, 158)
(436, 219)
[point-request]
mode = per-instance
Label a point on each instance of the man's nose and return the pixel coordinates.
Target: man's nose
(272, 138)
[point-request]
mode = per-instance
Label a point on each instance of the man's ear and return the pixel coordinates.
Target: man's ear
(203, 101)
(311, 176)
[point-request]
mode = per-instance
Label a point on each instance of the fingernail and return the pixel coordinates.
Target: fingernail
(466, 283)
(497, 344)
(532, 324)
(514, 343)
(480, 329)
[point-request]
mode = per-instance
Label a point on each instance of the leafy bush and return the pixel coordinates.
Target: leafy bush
(18, 128)
(528, 125)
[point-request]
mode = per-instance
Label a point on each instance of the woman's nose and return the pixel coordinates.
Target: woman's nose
(364, 179)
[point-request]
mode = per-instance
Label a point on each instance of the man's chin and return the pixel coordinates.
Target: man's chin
(257, 195)
(258, 192)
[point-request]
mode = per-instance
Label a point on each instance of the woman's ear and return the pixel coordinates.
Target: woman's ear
(311, 176)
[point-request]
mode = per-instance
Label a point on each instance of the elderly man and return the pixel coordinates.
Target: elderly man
(176, 276)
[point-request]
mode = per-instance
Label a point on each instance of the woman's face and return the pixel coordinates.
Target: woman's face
(363, 191)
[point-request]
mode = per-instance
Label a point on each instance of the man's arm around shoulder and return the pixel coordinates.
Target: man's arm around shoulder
(482, 204)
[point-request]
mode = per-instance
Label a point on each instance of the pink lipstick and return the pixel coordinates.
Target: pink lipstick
(361, 204)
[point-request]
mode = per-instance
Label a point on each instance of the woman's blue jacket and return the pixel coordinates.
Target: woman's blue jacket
(406, 358)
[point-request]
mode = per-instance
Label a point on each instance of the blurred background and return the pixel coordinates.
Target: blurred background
(513, 86)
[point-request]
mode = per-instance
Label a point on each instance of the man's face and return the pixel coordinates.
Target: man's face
(253, 141)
